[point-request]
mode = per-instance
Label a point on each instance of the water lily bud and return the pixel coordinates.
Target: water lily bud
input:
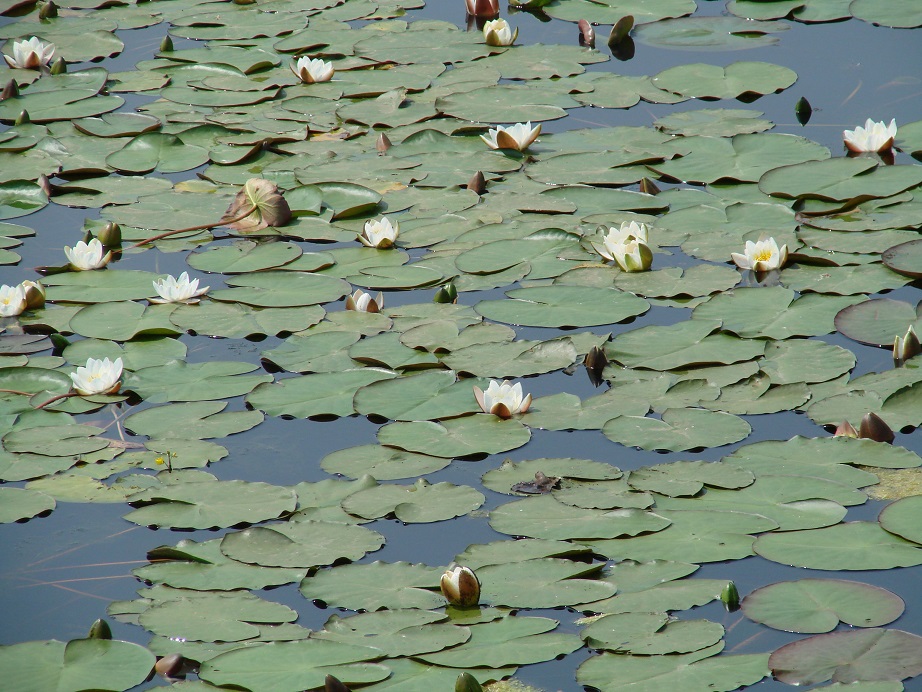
(100, 630)
(803, 110)
(460, 586)
(166, 45)
(906, 348)
(446, 294)
(110, 235)
(648, 187)
(59, 342)
(331, 684)
(244, 2)
(22, 119)
(467, 683)
(730, 597)
(846, 429)
(10, 90)
(873, 427)
(59, 66)
(586, 34)
(383, 143)
(49, 11)
(45, 184)
(35, 294)
(169, 665)
(595, 362)
(482, 8)
(477, 183)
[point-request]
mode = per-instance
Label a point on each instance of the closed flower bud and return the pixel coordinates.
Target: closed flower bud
(730, 597)
(49, 11)
(23, 118)
(460, 586)
(446, 294)
(100, 630)
(846, 429)
(331, 684)
(59, 66)
(10, 90)
(873, 427)
(595, 363)
(467, 683)
(166, 45)
(34, 293)
(170, 665)
(110, 235)
(906, 348)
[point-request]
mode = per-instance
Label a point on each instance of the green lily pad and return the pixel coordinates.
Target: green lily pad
(195, 420)
(384, 463)
(651, 634)
(320, 394)
(541, 583)
(855, 545)
(737, 79)
(902, 518)
(561, 306)
(182, 381)
(375, 585)
(678, 429)
(405, 632)
(876, 322)
(104, 664)
(300, 544)
(418, 503)
(872, 654)
(818, 605)
(23, 503)
(457, 437)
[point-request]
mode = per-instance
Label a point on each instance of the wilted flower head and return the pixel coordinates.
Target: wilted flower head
(502, 399)
(363, 302)
(87, 256)
(519, 136)
(311, 70)
(98, 377)
(379, 234)
(499, 33)
(460, 586)
(30, 54)
(873, 137)
(181, 290)
(482, 8)
(12, 300)
(762, 256)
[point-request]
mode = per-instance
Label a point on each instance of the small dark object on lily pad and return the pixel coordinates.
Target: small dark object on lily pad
(383, 143)
(331, 684)
(99, 630)
(541, 484)
(803, 110)
(467, 683)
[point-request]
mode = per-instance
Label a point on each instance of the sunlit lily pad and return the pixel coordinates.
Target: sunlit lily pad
(651, 634)
(457, 437)
(560, 306)
(700, 80)
(877, 321)
(817, 605)
(376, 585)
(319, 394)
(418, 503)
(678, 429)
(23, 503)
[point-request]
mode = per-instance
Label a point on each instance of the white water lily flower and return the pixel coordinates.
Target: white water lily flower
(312, 70)
(499, 33)
(87, 256)
(363, 302)
(873, 137)
(502, 399)
(518, 136)
(617, 237)
(380, 234)
(30, 54)
(12, 300)
(633, 256)
(181, 290)
(762, 256)
(34, 293)
(460, 586)
(98, 377)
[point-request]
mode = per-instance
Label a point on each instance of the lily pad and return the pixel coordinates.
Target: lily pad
(818, 605)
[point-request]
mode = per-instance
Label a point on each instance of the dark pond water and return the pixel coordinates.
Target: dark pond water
(57, 574)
